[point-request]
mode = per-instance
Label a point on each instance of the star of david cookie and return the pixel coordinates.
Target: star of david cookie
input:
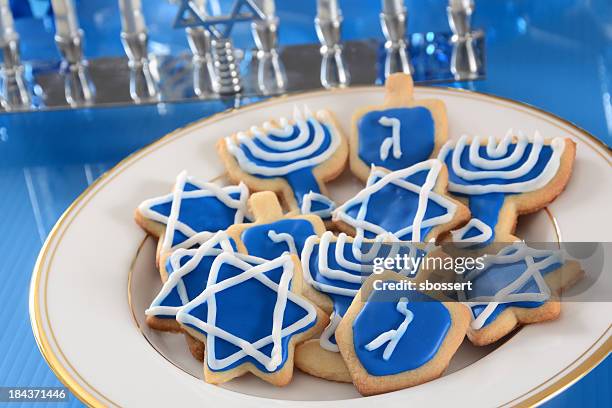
(403, 131)
(251, 317)
(517, 286)
(188, 271)
(393, 339)
(272, 233)
(334, 269)
(502, 179)
(294, 158)
(191, 214)
(407, 205)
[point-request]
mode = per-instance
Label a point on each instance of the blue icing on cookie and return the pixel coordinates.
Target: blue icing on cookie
(187, 277)
(245, 300)
(425, 323)
(513, 263)
(258, 241)
(195, 210)
(200, 214)
(391, 201)
(487, 174)
(416, 137)
(337, 268)
(290, 152)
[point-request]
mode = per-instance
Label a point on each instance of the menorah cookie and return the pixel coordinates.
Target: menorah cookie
(191, 214)
(251, 317)
(272, 233)
(334, 269)
(188, 271)
(408, 205)
(399, 133)
(392, 339)
(293, 158)
(517, 286)
(504, 179)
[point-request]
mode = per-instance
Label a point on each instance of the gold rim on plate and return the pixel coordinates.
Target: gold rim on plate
(78, 388)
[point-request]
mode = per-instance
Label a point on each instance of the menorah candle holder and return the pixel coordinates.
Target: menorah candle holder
(14, 94)
(464, 61)
(78, 86)
(334, 71)
(205, 83)
(271, 78)
(394, 26)
(212, 70)
(143, 81)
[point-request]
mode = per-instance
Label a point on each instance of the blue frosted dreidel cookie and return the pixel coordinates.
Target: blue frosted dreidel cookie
(188, 271)
(294, 158)
(191, 214)
(502, 179)
(392, 339)
(272, 233)
(399, 133)
(334, 269)
(251, 317)
(411, 204)
(518, 285)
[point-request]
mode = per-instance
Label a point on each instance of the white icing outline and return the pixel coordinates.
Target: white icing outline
(425, 193)
(499, 150)
(311, 196)
(323, 267)
(328, 332)
(178, 194)
(393, 336)
(392, 142)
(521, 253)
(307, 252)
(485, 233)
(319, 137)
(175, 278)
(547, 174)
(278, 332)
(283, 237)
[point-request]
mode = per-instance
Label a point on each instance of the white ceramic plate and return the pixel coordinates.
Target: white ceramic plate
(96, 275)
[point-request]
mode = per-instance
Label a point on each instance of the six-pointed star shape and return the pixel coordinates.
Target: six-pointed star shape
(190, 15)
(407, 199)
(515, 274)
(195, 210)
(290, 315)
(188, 274)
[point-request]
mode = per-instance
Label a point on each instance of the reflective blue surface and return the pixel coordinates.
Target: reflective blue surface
(556, 55)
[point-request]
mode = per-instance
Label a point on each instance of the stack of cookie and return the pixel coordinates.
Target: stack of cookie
(270, 273)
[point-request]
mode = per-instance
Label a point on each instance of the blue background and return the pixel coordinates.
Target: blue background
(556, 55)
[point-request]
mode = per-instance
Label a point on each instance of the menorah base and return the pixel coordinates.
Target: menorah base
(434, 57)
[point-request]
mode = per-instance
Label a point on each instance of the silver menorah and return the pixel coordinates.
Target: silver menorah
(215, 68)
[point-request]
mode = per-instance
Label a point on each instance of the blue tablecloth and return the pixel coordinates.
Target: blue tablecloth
(556, 55)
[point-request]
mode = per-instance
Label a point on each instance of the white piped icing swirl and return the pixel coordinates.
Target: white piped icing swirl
(285, 153)
(501, 165)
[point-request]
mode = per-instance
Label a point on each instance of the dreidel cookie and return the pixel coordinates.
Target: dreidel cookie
(334, 269)
(272, 233)
(502, 179)
(399, 133)
(411, 204)
(293, 158)
(191, 214)
(188, 271)
(518, 285)
(392, 339)
(251, 317)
